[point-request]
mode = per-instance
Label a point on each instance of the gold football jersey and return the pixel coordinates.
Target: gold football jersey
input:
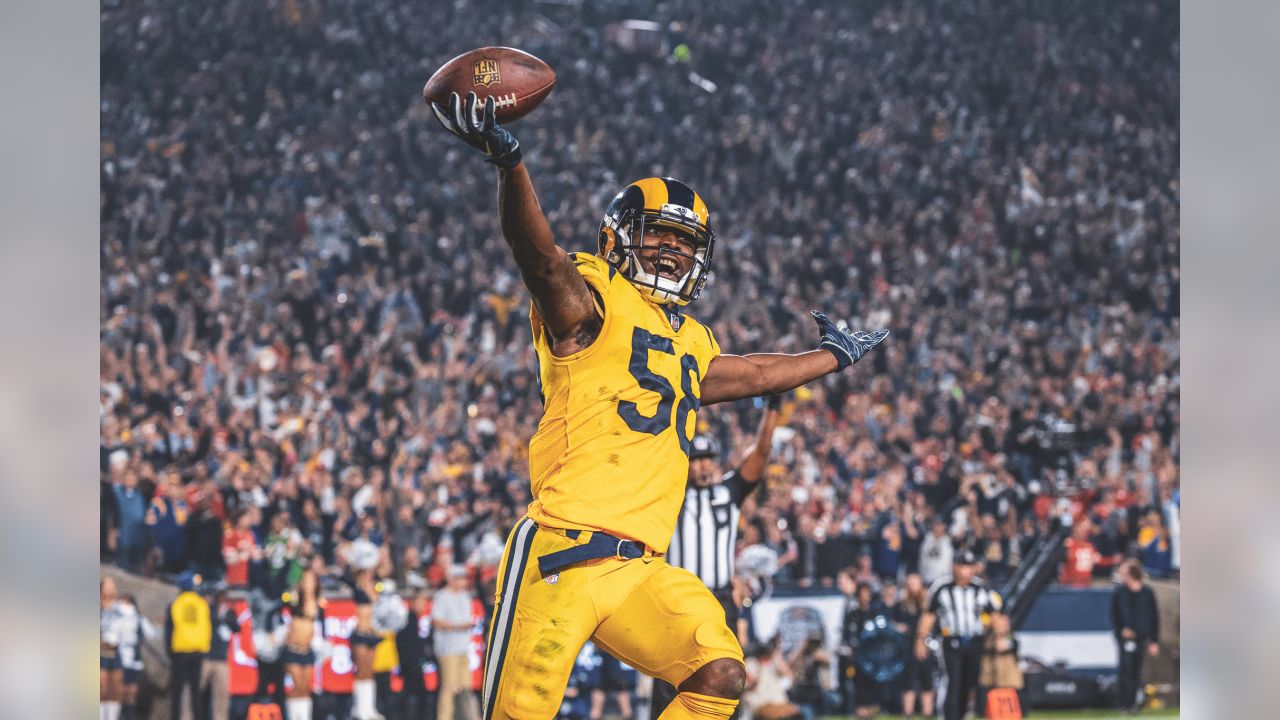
(612, 450)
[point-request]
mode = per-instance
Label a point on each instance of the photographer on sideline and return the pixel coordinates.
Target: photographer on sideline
(811, 677)
(768, 679)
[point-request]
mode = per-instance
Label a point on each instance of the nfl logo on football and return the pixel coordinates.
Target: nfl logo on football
(486, 73)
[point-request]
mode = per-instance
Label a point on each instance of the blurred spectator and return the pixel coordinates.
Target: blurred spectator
(283, 551)
(846, 669)
(912, 533)
(613, 678)
(131, 512)
(991, 544)
(205, 527)
(577, 692)
(414, 647)
(936, 552)
(1109, 529)
(1155, 548)
(240, 547)
(214, 673)
(452, 624)
(888, 552)
(1081, 556)
(917, 675)
(167, 521)
(864, 573)
(1135, 620)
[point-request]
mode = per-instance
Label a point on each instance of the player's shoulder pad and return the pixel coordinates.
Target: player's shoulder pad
(594, 262)
(705, 329)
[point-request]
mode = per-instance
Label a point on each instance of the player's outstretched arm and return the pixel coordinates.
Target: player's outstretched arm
(560, 294)
(733, 377)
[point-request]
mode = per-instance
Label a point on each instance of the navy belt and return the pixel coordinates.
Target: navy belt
(601, 545)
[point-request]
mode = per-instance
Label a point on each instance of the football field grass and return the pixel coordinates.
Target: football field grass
(1066, 715)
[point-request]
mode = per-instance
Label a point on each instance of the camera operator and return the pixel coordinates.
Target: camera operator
(810, 677)
(768, 679)
(862, 610)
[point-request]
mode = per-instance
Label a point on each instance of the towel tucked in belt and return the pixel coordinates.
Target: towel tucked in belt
(600, 545)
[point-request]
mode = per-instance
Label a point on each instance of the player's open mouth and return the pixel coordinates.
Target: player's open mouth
(667, 268)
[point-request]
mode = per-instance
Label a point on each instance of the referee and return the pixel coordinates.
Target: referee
(707, 528)
(960, 606)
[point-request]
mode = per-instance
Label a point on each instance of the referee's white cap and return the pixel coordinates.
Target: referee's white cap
(702, 446)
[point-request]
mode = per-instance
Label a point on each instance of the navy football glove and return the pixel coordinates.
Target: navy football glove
(481, 132)
(848, 347)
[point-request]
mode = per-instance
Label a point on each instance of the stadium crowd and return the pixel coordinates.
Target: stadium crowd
(312, 332)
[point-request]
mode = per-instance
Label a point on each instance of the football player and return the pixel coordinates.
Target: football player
(707, 527)
(622, 372)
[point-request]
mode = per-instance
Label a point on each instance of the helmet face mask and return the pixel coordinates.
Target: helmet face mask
(658, 205)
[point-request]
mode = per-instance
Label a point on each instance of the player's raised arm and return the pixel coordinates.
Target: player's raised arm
(561, 295)
(757, 458)
(732, 377)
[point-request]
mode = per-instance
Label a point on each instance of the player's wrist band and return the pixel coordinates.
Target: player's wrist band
(842, 357)
(507, 160)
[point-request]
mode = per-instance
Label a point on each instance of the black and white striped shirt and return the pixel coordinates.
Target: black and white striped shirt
(960, 609)
(707, 530)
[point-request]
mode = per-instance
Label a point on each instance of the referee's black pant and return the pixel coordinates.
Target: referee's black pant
(664, 692)
(962, 658)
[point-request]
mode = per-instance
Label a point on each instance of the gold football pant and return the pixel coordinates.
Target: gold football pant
(655, 617)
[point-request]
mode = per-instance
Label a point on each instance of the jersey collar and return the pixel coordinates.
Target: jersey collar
(674, 317)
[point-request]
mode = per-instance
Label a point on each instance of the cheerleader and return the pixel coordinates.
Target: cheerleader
(363, 557)
(134, 628)
(110, 670)
(306, 614)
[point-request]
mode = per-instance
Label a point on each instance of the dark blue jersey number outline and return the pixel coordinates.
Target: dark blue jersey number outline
(643, 341)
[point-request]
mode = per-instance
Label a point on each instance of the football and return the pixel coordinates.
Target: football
(516, 80)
